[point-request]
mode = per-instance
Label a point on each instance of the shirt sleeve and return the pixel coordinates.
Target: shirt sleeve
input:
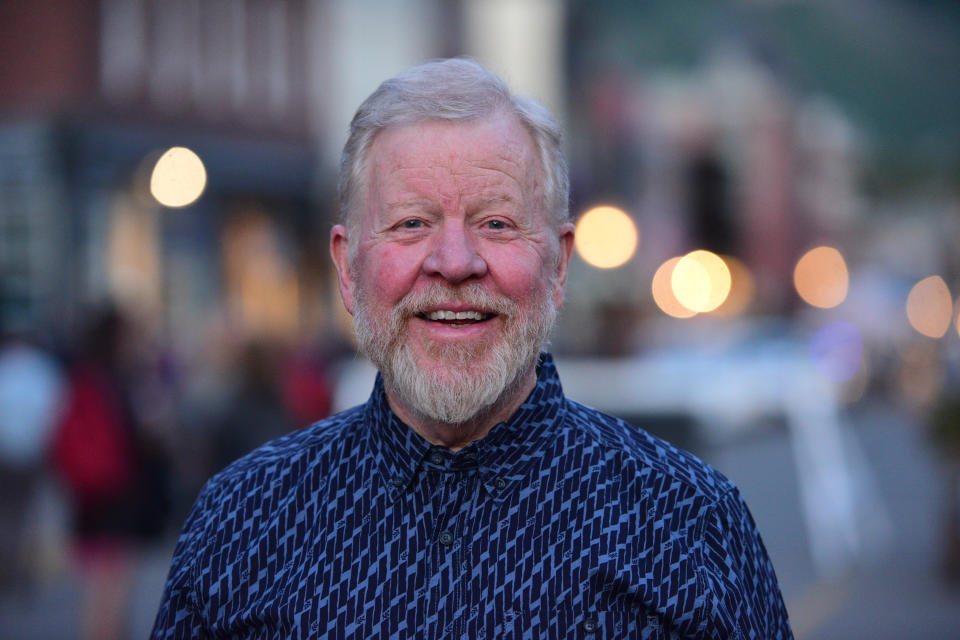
(180, 614)
(742, 587)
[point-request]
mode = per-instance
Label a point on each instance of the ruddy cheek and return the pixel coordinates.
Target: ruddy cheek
(394, 273)
(519, 276)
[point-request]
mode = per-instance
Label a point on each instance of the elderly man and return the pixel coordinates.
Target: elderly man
(468, 498)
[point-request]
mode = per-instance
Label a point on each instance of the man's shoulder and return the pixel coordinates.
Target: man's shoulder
(650, 456)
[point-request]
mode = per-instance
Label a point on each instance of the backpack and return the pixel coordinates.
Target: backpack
(91, 448)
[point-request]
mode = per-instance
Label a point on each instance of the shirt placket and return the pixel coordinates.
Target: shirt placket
(448, 544)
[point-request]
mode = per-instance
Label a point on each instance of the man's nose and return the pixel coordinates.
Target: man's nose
(454, 255)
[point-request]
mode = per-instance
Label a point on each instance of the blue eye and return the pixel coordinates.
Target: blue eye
(496, 224)
(412, 224)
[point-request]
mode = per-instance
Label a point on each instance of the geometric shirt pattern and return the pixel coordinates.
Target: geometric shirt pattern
(562, 522)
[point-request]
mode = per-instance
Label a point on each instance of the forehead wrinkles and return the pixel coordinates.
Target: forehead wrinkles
(467, 182)
(499, 136)
(513, 159)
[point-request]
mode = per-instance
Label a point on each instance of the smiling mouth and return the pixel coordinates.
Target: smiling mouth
(456, 318)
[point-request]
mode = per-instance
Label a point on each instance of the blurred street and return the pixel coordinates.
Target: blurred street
(897, 596)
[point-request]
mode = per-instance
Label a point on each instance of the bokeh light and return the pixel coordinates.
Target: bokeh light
(606, 237)
(663, 291)
(837, 350)
(742, 288)
(930, 307)
(700, 281)
(821, 277)
(178, 178)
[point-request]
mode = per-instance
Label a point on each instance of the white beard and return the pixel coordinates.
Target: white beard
(474, 377)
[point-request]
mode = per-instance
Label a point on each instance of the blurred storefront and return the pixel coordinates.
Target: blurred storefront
(85, 122)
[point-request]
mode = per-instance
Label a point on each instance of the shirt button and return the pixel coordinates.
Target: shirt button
(500, 484)
(446, 538)
(436, 457)
(589, 625)
(398, 482)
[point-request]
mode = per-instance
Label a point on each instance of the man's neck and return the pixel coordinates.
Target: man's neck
(457, 436)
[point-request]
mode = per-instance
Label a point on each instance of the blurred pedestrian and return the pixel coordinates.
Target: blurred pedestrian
(31, 390)
(113, 476)
(254, 411)
(307, 387)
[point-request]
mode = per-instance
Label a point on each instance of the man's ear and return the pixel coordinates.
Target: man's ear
(338, 251)
(563, 261)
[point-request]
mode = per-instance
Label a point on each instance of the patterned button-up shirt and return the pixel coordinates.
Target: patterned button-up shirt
(561, 523)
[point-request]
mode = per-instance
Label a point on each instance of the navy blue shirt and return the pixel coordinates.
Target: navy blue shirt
(561, 523)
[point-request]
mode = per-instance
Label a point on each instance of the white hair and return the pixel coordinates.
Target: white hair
(452, 89)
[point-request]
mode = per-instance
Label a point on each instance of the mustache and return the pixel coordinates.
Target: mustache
(440, 294)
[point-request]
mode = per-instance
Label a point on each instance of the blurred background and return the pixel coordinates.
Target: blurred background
(767, 269)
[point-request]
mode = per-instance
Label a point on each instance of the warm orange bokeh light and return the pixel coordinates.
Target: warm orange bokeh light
(742, 289)
(821, 277)
(606, 237)
(663, 292)
(700, 281)
(930, 307)
(261, 283)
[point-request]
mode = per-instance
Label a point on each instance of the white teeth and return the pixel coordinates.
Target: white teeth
(444, 314)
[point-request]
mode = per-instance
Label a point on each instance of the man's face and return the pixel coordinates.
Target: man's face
(454, 272)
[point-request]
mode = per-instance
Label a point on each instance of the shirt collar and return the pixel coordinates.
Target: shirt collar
(503, 456)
